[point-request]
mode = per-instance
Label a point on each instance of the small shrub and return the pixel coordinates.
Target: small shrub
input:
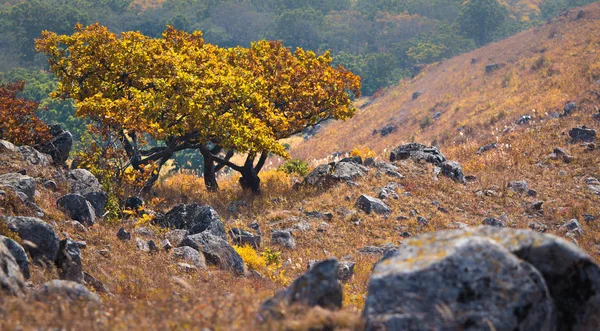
(364, 152)
(295, 166)
(19, 123)
(252, 259)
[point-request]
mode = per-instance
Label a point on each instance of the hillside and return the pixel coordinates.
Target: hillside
(143, 285)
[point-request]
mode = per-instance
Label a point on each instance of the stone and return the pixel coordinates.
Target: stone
(570, 275)
(588, 218)
(593, 185)
(34, 157)
(319, 215)
(417, 94)
(519, 186)
(525, 119)
(217, 251)
(483, 284)
(244, 238)
(93, 282)
(573, 226)
(372, 205)
(453, 170)
(193, 218)
(123, 235)
(6, 147)
(486, 148)
(490, 221)
(152, 248)
(352, 159)
(283, 238)
(134, 203)
(65, 290)
(319, 176)
(378, 250)
(418, 152)
(190, 256)
(18, 252)
(345, 270)
(39, 239)
(563, 154)
(60, 146)
(82, 182)
(68, 261)
(582, 134)
(166, 245)
(235, 207)
(98, 201)
(344, 171)
(11, 278)
(319, 286)
(422, 221)
(184, 267)
(176, 236)
(538, 227)
(386, 130)
(19, 183)
(77, 208)
(51, 185)
(569, 108)
(489, 68)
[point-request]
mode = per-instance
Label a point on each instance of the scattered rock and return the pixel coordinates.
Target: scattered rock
(593, 185)
(83, 182)
(538, 227)
(486, 148)
(151, 246)
(60, 146)
(317, 287)
(352, 159)
(588, 218)
(216, 251)
(386, 130)
(11, 278)
(93, 282)
(418, 152)
(68, 261)
(422, 221)
(77, 208)
(519, 186)
(582, 134)
(235, 207)
(51, 185)
(489, 68)
(283, 238)
(493, 222)
(372, 205)
(184, 267)
(319, 176)
(563, 154)
(345, 171)
(378, 250)
(537, 207)
(417, 94)
(166, 245)
(242, 238)
(176, 236)
(123, 234)
(319, 215)
(525, 119)
(98, 201)
(190, 256)
(569, 108)
(572, 226)
(453, 170)
(64, 289)
(39, 239)
(34, 157)
(20, 184)
(194, 218)
(345, 269)
(18, 252)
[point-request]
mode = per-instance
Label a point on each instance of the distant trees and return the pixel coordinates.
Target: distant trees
(19, 123)
(479, 19)
(188, 94)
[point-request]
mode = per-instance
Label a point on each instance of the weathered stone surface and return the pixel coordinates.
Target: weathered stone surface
(65, 290)
(83, 182)
(486, 148)
(176, 236)
(453, 170)
(319, 286)
(519, 186)
(344, 171)
(68, 261)
(6, 147)
(18, 252)
(217, 251)
(39, 239)
(283, 238)
(190, 256)
(490, 221)
(123, 234)
(11, 278)
(582, 134)
(98, 201)
(243, 238)
(571, 276)
(77, 208)
(19, 183)
(34, 157)
(318, 177)
(372, 205)
(194, 218)
(60, 146)
(418, 152)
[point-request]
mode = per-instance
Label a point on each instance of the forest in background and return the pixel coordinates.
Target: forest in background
(383, 41)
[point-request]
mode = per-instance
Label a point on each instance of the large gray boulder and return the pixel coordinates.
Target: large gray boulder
(345, 171)
(11, 278)
(98, 201)
(370, 205)
(65, 290)
(319, 176)
(513, 279)
(319, 286)
(18, 252)
(39, 239)
(582, 134)
(217, 251)
(193, 218)
(83, 182)
(34, 157)
(19, 183)
(190, 256)
(68, 261)
(60, 146)
(78, 208)
(418, 152)
(453, 170)
(283, 238)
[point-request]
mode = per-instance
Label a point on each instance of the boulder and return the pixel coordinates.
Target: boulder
(353, 159)
(569, 108)
(68, 260)
(319, 176)
(34, 157)
(78, 208)
(18, 252)
(217, 251)
(83, 182)
(319, 286)
(489, 68)
(372, 205)
(570, 275)
(193, 218)
(176, 236)
(283, 238)
(11, 278)
(345, 269)
(243, 238)
(98, 201)
(582, 134)
(486, 148)
(418, 152)
(453, 170)
(19, 183)
(6, 147)
(39, 239)
(345, 171)
(417, 94)
(519, 186)
(490, 221)
(60, 146)
(123, 234)
(65, 290)
(190, 256)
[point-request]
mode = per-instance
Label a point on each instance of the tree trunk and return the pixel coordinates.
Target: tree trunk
(210, 176)
(250, 179)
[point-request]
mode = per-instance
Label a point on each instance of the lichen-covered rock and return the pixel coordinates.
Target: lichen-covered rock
(18, 252)
(319, 176)
(217, 251)
(418, 152)
(34, 157)
(453, 170)
(190, 256)
(65, 290)
(193, 218)
(19, 183)
(68, 260)
(319, 286)
(11, 278)
(83, 182)
(571, 276)
(345, 171)
(98, 201)
(77, 208)
(39, 239)
(582, 134)
(283, 238)
(372, 205)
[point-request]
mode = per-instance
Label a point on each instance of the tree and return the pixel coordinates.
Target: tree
(479, 19)
(183, 93)
(19, 123)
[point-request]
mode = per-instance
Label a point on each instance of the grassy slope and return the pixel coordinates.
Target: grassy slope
(150, 293)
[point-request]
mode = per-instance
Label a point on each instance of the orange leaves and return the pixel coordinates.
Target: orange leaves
(19, 123)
